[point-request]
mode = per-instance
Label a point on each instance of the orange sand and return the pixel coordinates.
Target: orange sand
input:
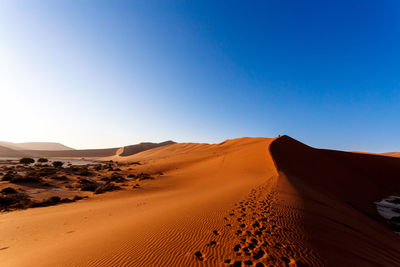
(301, 206)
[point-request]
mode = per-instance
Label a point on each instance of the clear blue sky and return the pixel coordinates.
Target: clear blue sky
(110, 73)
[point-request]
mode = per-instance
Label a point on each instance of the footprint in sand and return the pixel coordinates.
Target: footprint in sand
(199, 255)
(259, 254)
(212, 243)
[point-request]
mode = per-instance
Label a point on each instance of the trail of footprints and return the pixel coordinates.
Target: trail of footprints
(260, 237)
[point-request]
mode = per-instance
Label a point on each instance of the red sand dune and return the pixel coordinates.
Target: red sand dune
(337, 190)
(273, 201)
(392, 154)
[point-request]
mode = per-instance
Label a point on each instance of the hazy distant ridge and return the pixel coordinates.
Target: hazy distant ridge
(13, 150)
(52, 146)
(8, 152)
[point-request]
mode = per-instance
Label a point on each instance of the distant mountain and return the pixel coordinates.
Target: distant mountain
(49, 146)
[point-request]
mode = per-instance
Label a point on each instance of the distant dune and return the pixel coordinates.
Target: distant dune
(392, 154)
(388, 154)
(79, 153)
(250, 200)
(133, 149)
(35, 146)
(8, 152)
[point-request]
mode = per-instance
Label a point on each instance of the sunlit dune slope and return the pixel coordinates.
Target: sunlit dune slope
(163, 224)
(392, 154)
(253, 200)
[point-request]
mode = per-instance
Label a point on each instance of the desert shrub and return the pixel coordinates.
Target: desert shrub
(143, 176)
(87, 185)
(59, 177)
(84, 171)
(57, 164)
(26, 161)
(8, 176)
(55, 199)
(29, 177)
(116, 177)
(108, 167)
(77, 198)
(51, 201)
(106, 188)
(9, 190)
(42, 160)
(46, 171)
(14, 201)
(73, 168)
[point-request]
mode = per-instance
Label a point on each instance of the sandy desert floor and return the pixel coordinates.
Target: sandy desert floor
(248, 201)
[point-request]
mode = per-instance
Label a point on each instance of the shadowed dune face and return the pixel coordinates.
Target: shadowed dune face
(359, 178)
(337, 190)
(133, 149)
(249, 200)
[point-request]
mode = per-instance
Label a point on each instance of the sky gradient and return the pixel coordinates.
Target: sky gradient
(94, 74)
